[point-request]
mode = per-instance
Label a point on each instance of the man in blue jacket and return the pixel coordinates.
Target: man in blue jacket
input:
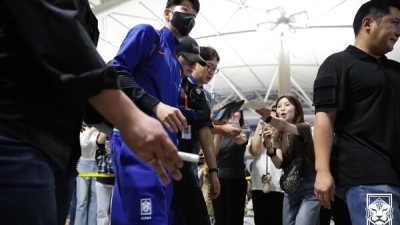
(139, 196)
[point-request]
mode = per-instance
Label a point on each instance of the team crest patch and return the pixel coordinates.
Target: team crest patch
(145, 208)
(379, 210)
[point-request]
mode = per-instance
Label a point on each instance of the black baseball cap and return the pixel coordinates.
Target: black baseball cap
(190, 50)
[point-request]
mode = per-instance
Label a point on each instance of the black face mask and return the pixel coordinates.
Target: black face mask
(183, 22)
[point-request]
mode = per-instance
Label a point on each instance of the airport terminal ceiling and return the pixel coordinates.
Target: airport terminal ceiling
(267, 47)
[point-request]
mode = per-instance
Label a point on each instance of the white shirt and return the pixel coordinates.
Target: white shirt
(88, 140)
(260, 165)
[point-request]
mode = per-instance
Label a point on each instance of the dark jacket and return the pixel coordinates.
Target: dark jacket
(49, 67)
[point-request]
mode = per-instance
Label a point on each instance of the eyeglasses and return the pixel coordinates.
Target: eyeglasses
(212, 69)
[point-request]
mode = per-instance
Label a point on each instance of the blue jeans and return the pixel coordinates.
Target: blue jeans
(86, 202)
(33, 190)
(366, 208)
(301, 207)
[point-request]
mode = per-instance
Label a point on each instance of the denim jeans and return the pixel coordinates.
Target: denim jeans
(302, 207)
(86, 202)
(33, 190)
(365, 208)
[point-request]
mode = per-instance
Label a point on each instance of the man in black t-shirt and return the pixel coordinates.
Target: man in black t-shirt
(356, 134)
(194, 105)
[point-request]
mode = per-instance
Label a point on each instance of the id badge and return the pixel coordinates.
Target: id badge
(187, 133)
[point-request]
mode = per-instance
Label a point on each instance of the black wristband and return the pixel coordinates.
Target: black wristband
(210, 170)
(268, 119)
(271, 154)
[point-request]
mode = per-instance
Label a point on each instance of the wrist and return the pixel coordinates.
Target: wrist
(271, 152)
(268, 119)
(213, 170)
(155, 107)
(267, 144)
(322, 168)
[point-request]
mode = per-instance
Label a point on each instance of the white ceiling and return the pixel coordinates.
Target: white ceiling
(249, 51)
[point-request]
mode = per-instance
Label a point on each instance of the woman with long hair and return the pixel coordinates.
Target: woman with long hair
(291, 148)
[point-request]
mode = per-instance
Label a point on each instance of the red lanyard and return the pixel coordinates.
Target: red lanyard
(186, 97)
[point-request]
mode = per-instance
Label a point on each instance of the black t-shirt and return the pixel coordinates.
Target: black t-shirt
(301, 144)
(365, 92)
(230, 159)
(47, 73)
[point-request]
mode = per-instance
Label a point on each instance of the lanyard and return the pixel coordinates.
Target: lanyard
(186, 98)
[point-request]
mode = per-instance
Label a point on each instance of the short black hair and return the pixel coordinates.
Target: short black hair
(209, 53)
(172, 3)
(374, 8)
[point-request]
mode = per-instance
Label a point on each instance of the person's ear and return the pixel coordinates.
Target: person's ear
(167, 13)
(367, 23)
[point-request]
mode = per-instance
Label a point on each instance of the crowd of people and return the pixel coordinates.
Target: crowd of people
(57, 159)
